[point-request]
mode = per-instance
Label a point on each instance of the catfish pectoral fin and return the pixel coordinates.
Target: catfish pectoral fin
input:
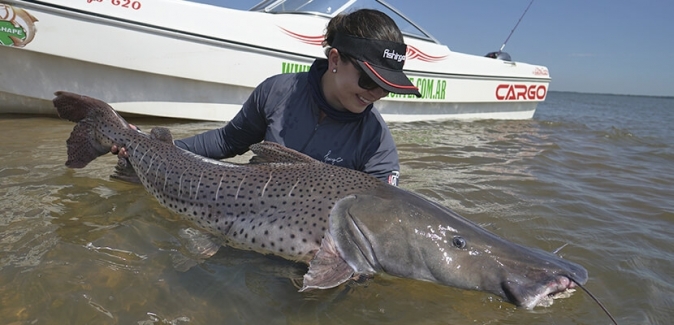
(327, 269)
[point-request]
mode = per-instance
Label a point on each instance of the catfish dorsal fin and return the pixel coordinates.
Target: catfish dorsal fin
(270, 152)
(161, 134)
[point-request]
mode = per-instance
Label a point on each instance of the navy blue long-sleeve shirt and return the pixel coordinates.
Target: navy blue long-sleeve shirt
(282, 110)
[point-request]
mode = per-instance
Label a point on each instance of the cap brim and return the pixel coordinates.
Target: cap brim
(394, 81)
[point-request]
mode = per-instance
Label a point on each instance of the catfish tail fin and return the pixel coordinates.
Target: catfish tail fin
(97, 123)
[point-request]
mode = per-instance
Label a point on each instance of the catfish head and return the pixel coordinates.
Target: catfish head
(403, 234)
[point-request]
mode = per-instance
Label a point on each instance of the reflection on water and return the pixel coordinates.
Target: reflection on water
(79, 248)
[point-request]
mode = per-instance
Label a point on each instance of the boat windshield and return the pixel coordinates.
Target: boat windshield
(330, 8)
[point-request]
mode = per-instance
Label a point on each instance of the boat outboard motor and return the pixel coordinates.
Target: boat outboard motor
(499, 55)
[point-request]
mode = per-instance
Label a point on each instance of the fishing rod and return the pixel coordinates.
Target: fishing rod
(513, 30)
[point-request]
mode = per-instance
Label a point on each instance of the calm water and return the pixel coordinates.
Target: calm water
(595, 172)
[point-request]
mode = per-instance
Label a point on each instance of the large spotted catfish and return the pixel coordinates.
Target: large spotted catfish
(342, 223)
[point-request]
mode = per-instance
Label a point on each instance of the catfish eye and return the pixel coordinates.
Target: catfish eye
(459, 242)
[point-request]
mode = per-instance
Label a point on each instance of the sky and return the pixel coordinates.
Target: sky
(590, 46)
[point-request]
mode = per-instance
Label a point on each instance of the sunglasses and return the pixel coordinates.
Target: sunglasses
(364, 81)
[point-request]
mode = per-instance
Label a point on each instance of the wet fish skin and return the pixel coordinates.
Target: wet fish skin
(278, 208)
(341, 222)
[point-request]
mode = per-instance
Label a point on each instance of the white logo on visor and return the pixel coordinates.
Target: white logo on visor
(389, 54)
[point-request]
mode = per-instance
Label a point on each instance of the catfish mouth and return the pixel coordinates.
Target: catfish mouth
(540, 294)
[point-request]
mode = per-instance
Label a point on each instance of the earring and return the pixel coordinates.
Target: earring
(334, 70)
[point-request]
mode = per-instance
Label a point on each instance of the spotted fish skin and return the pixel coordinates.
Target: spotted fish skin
(343, 223)
(278, 208)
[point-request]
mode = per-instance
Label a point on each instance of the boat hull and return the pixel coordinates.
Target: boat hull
(150, 64)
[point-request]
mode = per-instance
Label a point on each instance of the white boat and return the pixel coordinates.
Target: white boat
(188, 60)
